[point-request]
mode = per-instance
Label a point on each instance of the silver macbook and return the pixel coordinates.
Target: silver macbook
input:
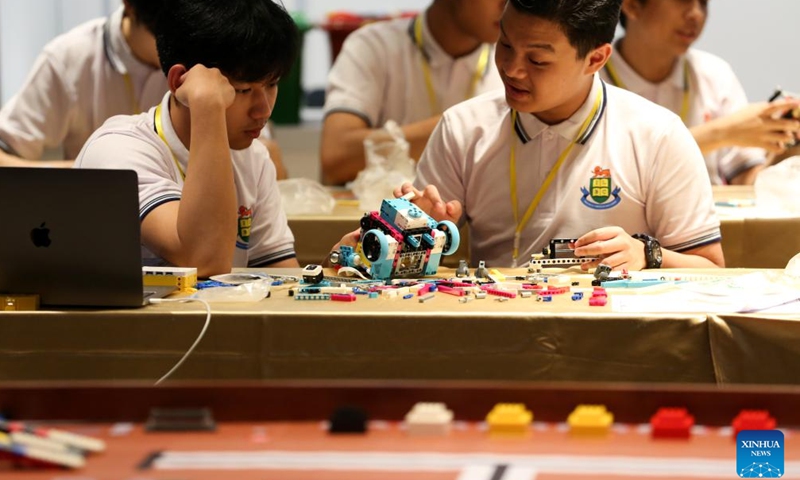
(71, 236)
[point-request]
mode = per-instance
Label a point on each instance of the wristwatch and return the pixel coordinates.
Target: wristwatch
(652, 250)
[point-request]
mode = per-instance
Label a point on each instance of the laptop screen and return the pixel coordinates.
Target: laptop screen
(72, 236)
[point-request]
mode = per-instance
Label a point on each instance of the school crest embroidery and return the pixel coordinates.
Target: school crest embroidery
(601, 190)
(244, 223)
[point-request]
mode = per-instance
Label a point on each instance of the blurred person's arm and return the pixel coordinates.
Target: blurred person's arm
(342, 146)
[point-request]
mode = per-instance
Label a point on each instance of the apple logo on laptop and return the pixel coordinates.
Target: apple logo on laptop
(41, 236)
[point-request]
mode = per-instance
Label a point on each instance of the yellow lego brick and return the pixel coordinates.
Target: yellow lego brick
(183, 278)
(509, 419)
(590, 420)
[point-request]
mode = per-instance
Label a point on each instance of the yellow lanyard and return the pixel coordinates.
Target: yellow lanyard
(536, 199)
(617, 81)
(483, 60)
(160, 131)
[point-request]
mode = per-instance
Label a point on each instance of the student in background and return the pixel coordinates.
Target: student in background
(207, 190)
(409, 71)
(104, 67)
(655, 60)
(560, 154)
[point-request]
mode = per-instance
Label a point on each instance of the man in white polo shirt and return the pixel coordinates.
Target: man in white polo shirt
(409, 71)
(560, 154)
(207, 191)
(654, 60)
(105, 67)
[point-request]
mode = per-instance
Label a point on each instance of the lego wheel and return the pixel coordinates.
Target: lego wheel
(374, 245)
(453, 237)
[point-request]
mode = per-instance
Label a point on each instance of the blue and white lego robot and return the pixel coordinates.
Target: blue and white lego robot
(399, 241)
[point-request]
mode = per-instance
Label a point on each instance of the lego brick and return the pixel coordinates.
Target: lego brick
(590, 420)
(509, 419)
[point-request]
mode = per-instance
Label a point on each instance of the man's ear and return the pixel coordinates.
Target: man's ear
(129, 11)
(175, 77)
(597, 58)
(632, 9)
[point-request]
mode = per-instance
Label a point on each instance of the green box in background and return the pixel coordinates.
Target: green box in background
(290, 88)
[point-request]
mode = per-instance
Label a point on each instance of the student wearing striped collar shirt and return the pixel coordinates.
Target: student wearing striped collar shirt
(104, 67)
(409, 71)
(208, 194)
(560, 154)
(655, 60)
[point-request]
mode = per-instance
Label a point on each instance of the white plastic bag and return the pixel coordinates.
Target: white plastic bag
(246, 292)
(389, 164)
(303, 196)
(777, 187)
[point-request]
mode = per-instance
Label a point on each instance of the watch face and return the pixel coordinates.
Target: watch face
(654, 254)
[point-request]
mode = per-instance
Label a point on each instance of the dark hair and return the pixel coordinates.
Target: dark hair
(248, 40)
(146, 12)
(587, 24)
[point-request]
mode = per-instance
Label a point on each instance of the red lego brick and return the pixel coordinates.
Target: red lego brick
(343, 297)
(671, 423)
(597, 301)
(753, 420)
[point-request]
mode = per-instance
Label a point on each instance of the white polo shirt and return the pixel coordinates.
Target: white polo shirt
(379, 74)
(77, 82)
(645, 157)
(714, 92)
(131, 142)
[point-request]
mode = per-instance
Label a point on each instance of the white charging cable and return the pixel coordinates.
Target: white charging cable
(199, 337)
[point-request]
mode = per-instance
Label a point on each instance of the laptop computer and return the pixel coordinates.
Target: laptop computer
(72, 236)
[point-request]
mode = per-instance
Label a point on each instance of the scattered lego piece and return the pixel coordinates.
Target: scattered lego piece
(575, 284)
(597, 301)
(462, 270)
(429, 419)
(546, 298)
(343, 297)
(481, 271)
(671, 423)
(373, 295)
(408, 296)
(602, 272)
(465, 299)
(590, 420)
(424, 289)
(560, 280)
(509, 419)
(452, 291)
(313, 274)
(495, 273)
(480, 295)
(501, 299)
(550, 290)
(426, 297)
(348, 420)
(577, 296)
(312, 296)
(499, 293)
(752, 420)
(333, 290)
(525, 293)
